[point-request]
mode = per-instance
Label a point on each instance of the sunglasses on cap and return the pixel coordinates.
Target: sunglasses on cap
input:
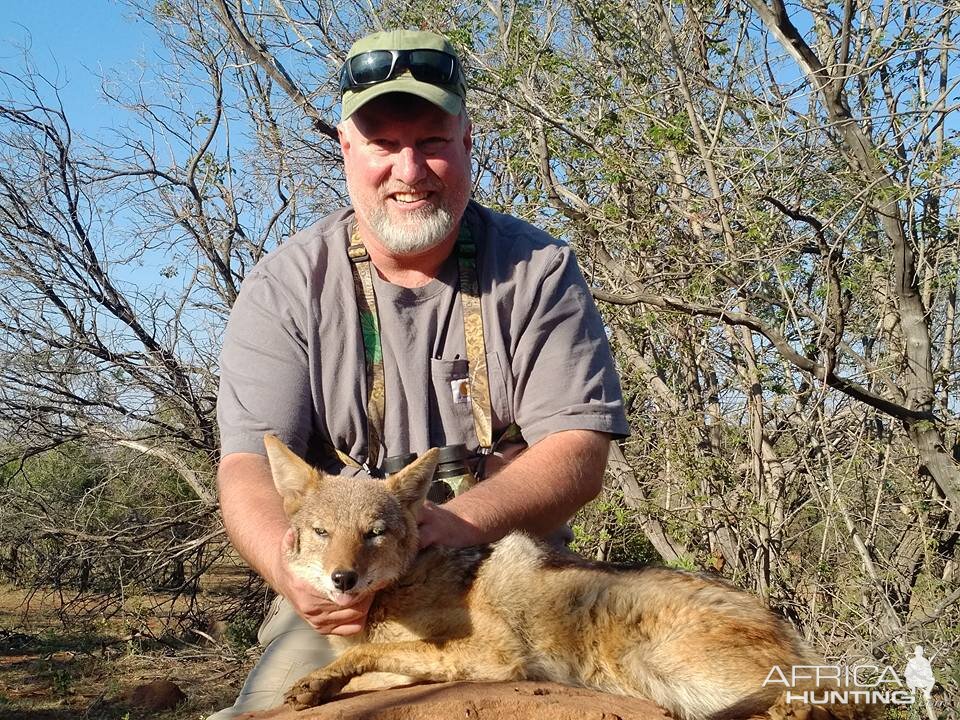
(430, 66)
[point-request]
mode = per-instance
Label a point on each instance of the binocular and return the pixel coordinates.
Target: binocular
(451, 477)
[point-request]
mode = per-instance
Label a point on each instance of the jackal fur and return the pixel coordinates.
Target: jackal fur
(518, 609)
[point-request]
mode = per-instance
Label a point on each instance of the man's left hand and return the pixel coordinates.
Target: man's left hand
(443, 527)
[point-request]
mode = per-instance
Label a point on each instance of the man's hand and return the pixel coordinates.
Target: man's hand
(439, 525)
(313, 605)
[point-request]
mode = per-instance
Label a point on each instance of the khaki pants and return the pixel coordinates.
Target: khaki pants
(291, 649)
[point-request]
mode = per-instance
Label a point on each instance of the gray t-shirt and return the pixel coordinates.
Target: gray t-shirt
(293, 362)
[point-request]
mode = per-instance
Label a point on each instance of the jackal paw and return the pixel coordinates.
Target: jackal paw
(314, 690)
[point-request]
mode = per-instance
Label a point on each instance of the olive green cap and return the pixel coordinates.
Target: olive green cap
(449, 98)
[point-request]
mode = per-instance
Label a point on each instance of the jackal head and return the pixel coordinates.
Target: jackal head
(353, 535)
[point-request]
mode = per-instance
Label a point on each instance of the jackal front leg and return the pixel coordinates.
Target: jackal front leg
(439, 662)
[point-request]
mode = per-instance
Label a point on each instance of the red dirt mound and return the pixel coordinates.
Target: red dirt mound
(476, 701)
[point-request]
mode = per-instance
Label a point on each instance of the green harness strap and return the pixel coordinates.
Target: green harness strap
(479, 385)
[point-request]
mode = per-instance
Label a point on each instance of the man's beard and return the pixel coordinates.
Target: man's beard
(410, 233)
(424, 229)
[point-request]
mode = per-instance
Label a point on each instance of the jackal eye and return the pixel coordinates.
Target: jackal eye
(320, 532)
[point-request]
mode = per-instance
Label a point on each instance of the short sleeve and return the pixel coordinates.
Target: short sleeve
(264, 370)
(563, 369)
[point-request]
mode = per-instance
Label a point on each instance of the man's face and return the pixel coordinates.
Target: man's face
(408, 170)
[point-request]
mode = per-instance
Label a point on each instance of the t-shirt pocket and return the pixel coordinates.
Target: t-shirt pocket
(451, 409)
(452, 412)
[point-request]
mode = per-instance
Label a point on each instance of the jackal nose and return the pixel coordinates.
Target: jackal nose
(344, 580)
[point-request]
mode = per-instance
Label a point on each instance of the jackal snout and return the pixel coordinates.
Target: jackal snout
(344, 580)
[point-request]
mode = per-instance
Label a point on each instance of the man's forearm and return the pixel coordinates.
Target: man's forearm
(252, 511)
(540, 490)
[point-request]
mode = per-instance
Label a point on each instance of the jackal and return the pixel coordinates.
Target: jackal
(519, 609)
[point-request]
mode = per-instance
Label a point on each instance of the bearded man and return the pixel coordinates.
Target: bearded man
(413, 319)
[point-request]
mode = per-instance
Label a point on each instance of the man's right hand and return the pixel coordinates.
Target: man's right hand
(313, 605)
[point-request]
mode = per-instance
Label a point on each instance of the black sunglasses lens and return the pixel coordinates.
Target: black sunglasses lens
(371, 67)
(431, 66)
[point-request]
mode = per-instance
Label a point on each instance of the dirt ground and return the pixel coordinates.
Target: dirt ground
(91, 668)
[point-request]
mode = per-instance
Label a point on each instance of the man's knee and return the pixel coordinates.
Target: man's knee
(292, 649)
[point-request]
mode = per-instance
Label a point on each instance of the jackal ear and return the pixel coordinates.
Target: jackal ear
(411, 484)
(291, 474)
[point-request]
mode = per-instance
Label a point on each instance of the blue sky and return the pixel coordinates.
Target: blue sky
(71, 43)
